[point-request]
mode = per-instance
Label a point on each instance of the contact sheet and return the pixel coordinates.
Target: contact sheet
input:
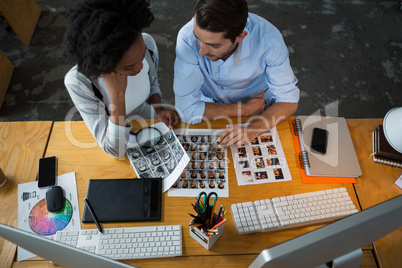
(207, 169)
(262, 161)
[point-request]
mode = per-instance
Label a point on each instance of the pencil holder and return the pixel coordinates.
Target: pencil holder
(206, 241)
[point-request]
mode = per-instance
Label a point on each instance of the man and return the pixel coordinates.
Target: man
(233, 63)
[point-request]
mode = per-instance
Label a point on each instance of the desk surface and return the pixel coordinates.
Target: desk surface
(77, 152)
(376, 185)
(21, 146)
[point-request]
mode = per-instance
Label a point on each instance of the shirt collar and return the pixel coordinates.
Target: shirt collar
(243, 49)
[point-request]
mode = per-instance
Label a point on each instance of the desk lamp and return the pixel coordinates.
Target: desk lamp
(393, 128)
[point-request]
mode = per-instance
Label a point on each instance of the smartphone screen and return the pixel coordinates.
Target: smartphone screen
(47, 172)
(319, 141)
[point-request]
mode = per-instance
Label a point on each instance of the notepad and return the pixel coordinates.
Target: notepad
(300, 164)
(340, 159)
(124, 200)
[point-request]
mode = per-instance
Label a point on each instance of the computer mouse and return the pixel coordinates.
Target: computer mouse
(54, 198)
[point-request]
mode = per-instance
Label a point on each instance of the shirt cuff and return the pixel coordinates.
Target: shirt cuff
(116, 132)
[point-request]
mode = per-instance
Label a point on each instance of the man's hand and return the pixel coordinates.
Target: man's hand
(234, 135)
(237, 135)
(255, 106)
(169, 117)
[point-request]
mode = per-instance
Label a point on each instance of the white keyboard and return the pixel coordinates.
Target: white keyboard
(127, 243)
(292, 211)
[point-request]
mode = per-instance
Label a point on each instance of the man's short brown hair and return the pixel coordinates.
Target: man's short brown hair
(228, 16)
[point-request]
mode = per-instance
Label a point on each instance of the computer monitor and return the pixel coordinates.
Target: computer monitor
(338, 243)
(58, 253)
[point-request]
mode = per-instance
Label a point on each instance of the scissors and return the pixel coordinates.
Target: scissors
(205, 206)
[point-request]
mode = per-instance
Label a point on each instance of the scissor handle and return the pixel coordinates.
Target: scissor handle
(214, 198)
(201, 202)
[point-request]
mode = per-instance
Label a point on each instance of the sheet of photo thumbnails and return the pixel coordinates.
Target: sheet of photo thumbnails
(207, 170)
(165, 160)
(262, 161)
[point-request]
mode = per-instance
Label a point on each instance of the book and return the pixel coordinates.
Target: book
(340, 159)
(301, 160)
(380, 158)
(384, 149)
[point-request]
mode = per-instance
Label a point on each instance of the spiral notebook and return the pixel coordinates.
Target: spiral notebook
(340, 159)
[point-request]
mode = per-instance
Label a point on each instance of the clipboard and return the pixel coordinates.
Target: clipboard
(124, 200)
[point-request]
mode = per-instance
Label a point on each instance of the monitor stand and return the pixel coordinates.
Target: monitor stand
(352, 259)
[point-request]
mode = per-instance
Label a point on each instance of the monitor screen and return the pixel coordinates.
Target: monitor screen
(335, 240)
(56, 252)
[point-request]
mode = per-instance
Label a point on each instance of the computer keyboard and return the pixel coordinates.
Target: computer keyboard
(292, 211)
(128, 242)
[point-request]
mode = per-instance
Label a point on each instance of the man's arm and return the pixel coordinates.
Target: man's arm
(255, 106)
(237, 135)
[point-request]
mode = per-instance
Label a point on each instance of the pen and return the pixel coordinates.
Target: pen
(93, 215)
(192, 215)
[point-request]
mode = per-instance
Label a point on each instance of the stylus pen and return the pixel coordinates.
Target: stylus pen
(93, 215)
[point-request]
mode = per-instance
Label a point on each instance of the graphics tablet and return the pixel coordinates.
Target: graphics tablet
(124, 200)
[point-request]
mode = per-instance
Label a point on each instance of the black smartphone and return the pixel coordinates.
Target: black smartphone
(319, 141)
(47, 171)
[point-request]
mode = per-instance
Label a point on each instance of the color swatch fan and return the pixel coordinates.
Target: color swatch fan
(43, 222)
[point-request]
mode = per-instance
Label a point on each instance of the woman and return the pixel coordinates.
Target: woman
(115, 77)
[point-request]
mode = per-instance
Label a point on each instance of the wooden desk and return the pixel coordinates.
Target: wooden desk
(21, 146)
(77, 152)
(376, 185)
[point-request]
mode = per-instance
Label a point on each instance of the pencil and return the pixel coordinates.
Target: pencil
(219, 224)
(219, 214)
(196, 224)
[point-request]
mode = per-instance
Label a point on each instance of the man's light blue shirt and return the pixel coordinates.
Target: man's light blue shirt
(260, 63)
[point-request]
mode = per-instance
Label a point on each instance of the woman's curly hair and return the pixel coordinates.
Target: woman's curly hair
(101, 31)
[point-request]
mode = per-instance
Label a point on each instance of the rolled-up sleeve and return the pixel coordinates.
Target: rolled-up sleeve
(279, 74)
(188, 80)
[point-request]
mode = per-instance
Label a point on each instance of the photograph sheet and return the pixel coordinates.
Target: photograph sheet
(157, 153)
(262, 161)
(207, 169)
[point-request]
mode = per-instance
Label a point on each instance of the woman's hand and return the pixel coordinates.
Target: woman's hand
(116, 84)
(169, 117)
